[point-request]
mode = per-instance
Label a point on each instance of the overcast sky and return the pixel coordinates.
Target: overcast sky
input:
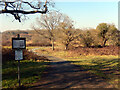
(84, 14)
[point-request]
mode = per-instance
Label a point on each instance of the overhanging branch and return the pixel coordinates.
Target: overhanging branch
(23, 12)
(15, 8)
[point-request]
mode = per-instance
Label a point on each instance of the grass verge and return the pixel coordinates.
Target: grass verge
(30, 72)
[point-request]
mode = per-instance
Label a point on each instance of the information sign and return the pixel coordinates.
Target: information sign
(18, 43)
(18, 55)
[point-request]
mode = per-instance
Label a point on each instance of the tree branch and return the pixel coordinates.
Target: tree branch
(15, 8)
(23, 12)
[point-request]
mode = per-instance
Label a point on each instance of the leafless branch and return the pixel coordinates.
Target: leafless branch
(15, 8)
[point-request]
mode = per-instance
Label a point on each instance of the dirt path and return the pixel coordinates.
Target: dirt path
(63, 74)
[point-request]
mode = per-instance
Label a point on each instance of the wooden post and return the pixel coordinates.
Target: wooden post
(19, 72)
(19, 67)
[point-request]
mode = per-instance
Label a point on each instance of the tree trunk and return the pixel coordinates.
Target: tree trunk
(104, 42)
(66, 47)
(53, 45)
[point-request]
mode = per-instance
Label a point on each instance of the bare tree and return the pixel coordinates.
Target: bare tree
(19, 8)
(50, 23)
(68, 33)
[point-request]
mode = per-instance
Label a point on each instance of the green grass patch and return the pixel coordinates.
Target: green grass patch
(30, 73)
(105, 67)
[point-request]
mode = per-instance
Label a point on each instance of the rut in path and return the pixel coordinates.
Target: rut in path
(63, 74)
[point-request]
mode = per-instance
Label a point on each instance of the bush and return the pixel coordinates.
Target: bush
(6, 43)
(9, 55)
(87, 39)
(30, 55)
(108, 50)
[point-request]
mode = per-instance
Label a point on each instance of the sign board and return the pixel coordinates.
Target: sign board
(18, 43)
(18, 55)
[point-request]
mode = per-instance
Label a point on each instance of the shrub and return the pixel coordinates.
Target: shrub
(87, 39)
(6, 43)
(9, 55)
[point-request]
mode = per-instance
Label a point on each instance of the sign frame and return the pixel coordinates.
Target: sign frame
(24, 39)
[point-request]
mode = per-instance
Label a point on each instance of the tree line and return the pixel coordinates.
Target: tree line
(60, 27)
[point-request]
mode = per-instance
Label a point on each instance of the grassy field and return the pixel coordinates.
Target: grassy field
(30, 73)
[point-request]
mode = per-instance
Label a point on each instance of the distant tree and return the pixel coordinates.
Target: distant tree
(19, 8)
(106, 31)
(113, 35)
(68, 33)
(35, 39)
(86, 38)
(50, 23)
(37, 42)
(118, 38)
(94, 35)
